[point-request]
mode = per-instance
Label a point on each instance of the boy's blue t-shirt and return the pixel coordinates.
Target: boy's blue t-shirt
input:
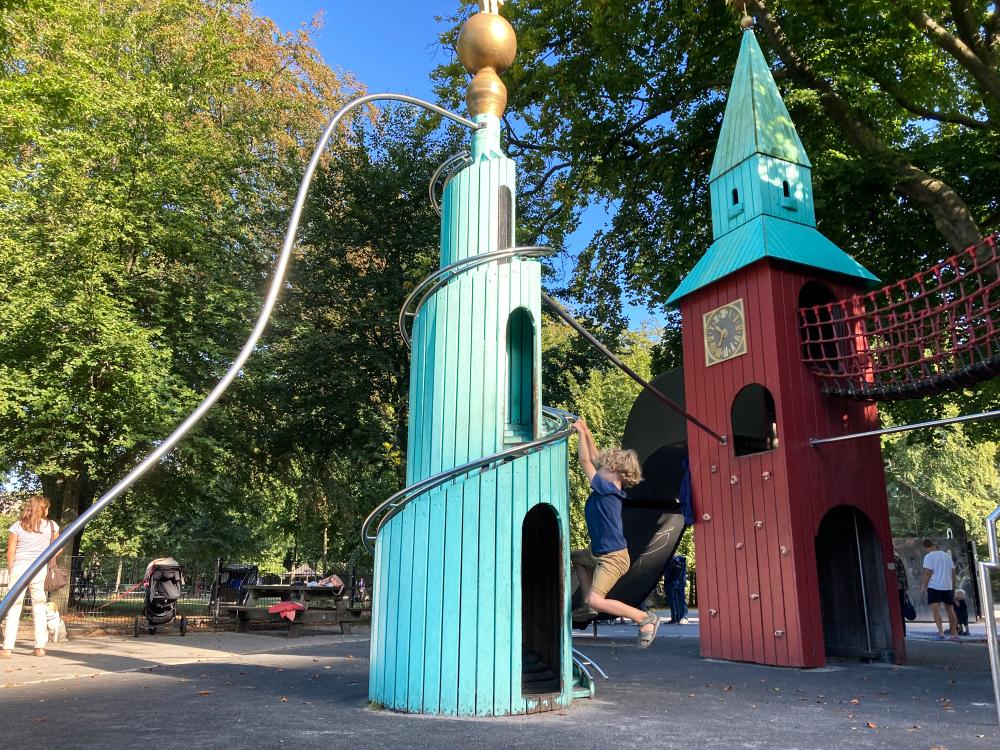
(603, 512)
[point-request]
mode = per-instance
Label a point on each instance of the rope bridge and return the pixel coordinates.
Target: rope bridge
(934, 332)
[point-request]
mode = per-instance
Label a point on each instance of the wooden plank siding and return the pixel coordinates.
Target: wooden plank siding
(757, 516)
(447, 611)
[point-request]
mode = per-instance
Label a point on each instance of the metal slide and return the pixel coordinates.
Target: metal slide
(75, 527)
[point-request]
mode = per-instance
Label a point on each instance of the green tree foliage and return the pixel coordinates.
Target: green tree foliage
(618, 103)
(948, 466)
(621, 101)
(331, 390)
(150, 151)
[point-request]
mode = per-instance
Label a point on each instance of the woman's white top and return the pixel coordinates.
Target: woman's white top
(30, 544)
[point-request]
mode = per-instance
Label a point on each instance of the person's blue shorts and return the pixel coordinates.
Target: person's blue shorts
(935, 596)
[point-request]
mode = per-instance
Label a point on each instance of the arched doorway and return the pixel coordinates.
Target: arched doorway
(541, 602)
(519, 424)
(852, 592)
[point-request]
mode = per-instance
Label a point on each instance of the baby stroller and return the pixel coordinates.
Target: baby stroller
(163, 582)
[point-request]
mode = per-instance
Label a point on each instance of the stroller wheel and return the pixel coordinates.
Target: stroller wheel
(152, 631)
(184, 626)
(137, 626)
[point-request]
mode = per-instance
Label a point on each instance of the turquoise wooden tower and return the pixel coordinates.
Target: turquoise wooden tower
(471, 611)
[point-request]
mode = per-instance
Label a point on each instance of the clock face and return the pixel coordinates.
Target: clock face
(725, 333)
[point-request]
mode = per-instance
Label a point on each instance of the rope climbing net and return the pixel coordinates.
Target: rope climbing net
(934, 332)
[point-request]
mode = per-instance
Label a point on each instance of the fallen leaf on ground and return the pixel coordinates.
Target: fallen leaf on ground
(855, 701)
(871, 725)
(284, 699)
(204, 692)
(727, 688)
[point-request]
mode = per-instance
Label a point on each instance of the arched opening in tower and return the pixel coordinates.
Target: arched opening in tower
(823, 339)
(541, 602)
(520, 419)
(853, 598)
(754, 420)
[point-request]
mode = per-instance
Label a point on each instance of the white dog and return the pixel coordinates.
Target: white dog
(57, 628)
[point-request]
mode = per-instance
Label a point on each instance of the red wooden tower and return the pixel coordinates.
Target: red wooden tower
(794, 551)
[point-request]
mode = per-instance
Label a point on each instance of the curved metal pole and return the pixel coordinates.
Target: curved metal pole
(443, 275)
(447, 168)
(385, 510)
(986, 567)
(577, 653)
(17, 587)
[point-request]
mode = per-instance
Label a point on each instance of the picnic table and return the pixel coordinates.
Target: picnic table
(323, 605)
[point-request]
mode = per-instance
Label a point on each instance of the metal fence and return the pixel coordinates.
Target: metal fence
(109, 593)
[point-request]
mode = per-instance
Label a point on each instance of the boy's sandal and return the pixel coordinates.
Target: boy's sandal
(38, 652)
(646, 638)
(4, 653)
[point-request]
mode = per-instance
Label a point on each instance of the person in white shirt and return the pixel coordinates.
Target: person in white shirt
(28, 539)
(939, 580)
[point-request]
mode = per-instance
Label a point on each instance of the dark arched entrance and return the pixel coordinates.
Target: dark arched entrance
(853, 599)
(541, 602)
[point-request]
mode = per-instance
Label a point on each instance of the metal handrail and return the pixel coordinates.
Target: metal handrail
(449, 167)
(387, 509)
(906, 427)
(986, 594)
(581, 658)
(443, 275)
(72, 529)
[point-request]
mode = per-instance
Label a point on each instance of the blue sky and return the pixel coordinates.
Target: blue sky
(392, 46)
(389, 45)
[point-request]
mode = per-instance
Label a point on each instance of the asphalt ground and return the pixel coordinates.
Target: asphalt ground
(211, 690)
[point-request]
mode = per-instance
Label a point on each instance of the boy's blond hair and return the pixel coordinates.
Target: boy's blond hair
(624, 462)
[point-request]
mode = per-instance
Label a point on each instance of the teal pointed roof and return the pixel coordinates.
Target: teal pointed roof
(761, 164)
(770, 237)
(756, 120)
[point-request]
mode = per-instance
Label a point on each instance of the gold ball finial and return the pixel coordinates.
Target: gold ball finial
(746, 22)
(486, 47)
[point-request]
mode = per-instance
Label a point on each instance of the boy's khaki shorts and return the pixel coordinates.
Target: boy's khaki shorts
(608, 568)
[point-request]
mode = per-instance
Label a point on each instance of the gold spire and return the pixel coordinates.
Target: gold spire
(486, 47)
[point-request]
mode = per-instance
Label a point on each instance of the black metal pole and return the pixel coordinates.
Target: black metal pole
(572, 322)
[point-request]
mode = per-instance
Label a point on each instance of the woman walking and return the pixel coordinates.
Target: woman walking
(27, 540)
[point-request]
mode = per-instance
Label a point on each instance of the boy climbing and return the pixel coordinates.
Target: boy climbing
(610, 472)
